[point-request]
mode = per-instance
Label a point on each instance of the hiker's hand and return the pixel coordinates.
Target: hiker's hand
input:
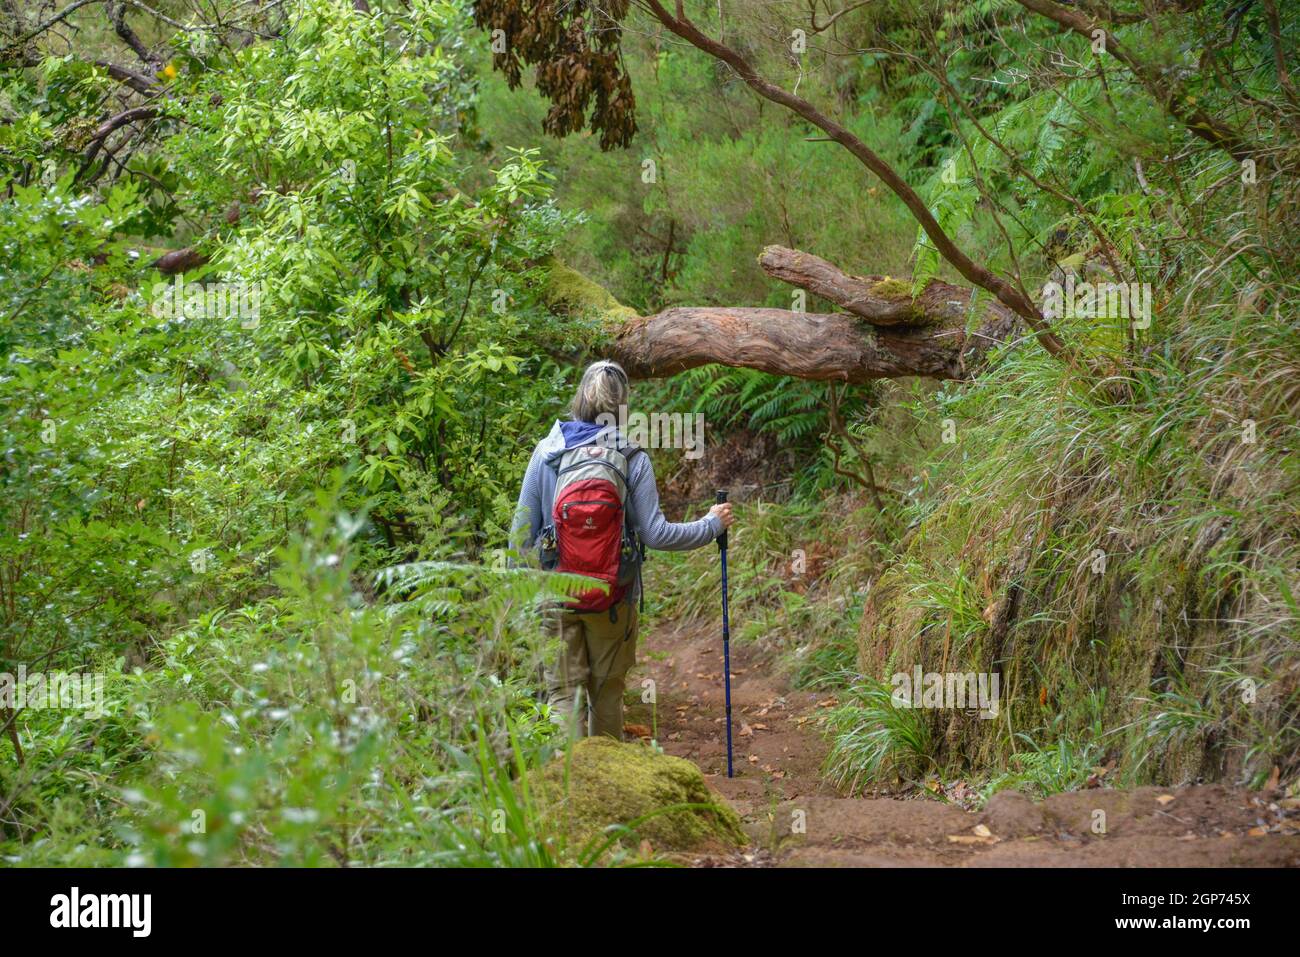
(723, 512)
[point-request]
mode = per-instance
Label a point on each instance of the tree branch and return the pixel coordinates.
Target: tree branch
(117, 16)
(136, 81)
(54, 20)
(972, 271)
(1163, 86)
(881, 301)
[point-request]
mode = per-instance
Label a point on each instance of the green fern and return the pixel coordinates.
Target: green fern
(791, 410)
(952, 203)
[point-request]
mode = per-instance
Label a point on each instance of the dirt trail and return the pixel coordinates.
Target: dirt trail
(778, 754)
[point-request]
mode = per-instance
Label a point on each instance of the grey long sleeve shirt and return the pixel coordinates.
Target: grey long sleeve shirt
(644, 512)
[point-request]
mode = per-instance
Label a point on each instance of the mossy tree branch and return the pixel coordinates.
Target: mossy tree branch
(832, 346)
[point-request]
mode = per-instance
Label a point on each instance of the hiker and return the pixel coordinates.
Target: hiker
(590, 505)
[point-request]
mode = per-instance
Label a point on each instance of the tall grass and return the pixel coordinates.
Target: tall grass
(1072, 543)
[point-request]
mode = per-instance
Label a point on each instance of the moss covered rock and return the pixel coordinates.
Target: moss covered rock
(613, 783)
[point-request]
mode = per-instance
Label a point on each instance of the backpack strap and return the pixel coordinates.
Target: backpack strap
(629, 451)
(630, 531)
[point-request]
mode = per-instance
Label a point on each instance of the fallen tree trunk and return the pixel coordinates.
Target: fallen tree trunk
(823, 346)
(827, 346)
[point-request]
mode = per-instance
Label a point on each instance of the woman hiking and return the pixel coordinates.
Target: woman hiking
(589, 505)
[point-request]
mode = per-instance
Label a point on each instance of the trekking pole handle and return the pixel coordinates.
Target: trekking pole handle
(721, 496)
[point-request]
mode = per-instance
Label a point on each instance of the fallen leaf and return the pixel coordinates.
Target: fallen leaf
(980, 835)
(1094, 779)
(989, 610)
(1257, 831)
(753, 759)
(637, 730)
(1164, 799)
(745, 730)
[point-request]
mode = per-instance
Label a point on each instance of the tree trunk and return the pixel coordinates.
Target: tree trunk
(824, 346)
(828, 346)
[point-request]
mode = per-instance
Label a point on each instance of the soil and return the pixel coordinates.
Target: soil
(778, 786)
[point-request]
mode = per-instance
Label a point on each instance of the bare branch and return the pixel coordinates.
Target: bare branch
(55, 20)
(878, 300)
(136, 81)
(117, 16)
(812, 10)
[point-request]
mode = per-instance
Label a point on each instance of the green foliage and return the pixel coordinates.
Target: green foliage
(163, 520)
(729, 178)
(1045, 771)
(399, 298)
(1023, 504)
(874, 738)
(273, 535)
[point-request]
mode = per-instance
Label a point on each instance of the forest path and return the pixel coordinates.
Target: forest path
(778, 785)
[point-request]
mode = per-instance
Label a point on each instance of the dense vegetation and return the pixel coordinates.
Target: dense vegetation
(280, 536)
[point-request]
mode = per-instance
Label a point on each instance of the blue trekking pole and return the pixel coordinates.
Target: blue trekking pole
(726, 633)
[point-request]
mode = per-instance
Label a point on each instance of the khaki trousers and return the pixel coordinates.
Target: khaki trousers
(594, 659)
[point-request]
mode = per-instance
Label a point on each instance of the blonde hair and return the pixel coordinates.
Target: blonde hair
(604, 387)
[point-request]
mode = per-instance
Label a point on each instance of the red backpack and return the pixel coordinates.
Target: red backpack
(589, 532)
